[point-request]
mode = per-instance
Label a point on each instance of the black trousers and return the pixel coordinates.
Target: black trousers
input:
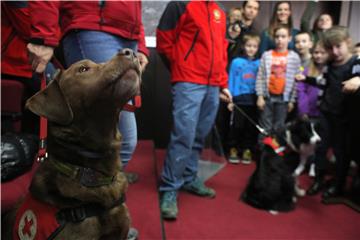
(334, 133)
(243, 134)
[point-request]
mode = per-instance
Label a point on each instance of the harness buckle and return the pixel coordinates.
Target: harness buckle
(78, 214)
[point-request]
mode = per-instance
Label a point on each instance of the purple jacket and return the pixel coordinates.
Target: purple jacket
(307, 99)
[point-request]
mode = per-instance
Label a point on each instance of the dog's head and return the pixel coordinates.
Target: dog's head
(301, 134)
(88, 90)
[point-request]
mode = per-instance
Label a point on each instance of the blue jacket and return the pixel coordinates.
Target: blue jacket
(242, 77)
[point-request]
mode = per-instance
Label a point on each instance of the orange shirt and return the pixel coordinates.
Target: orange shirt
(278, 72)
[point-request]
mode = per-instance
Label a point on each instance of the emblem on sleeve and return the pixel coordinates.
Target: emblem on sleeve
(27, 226)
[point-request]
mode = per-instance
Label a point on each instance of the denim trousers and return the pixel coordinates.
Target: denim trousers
(273, 117)
(194, 111)
(100, 47)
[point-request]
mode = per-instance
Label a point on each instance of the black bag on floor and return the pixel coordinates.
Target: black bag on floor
(18, 151)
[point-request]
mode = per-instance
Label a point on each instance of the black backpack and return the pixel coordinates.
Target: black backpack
(18, 151)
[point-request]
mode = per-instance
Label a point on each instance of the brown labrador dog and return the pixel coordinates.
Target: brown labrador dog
(81, 177)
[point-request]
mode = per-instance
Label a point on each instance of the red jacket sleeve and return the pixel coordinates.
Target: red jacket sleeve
(166, 30)
(44, 20)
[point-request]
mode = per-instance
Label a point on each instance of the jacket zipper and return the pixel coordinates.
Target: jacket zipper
(212, 44)
(192, 45)
(102, 5)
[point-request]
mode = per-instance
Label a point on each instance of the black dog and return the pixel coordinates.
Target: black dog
(272, 186)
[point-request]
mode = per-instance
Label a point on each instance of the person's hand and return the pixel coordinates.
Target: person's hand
(39, 56)
(260, 103)
(143, 60)
(230, 107)
(225, 95)
(300, 77)
(290, 106)
(351, 85)
(234, 31)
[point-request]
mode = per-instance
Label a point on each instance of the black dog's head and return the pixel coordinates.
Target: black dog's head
(301, 133)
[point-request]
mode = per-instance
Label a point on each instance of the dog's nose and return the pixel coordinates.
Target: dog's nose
(128, 53)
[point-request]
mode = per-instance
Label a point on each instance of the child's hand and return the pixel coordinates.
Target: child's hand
(351, 85)
(290, 107)
(260, 103)
(300, 77)
(230, 107)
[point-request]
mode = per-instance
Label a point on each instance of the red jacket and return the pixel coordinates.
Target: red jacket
(191, 35)
(122, 18)
(15, 32)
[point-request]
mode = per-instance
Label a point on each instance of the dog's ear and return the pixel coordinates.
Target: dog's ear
(51, 103)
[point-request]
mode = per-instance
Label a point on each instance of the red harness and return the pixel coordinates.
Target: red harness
(35, 220)
(279, 150)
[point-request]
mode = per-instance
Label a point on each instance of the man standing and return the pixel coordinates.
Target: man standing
(191, 39)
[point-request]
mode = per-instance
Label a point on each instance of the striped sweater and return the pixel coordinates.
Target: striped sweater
(263, 76)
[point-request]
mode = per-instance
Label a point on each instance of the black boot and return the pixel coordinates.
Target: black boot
(335, 190)
(317, 185)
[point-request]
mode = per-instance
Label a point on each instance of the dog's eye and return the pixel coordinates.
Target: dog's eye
(83, 69)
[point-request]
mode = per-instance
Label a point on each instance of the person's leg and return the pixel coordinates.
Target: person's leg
(339, 135)
(187, 99)
(280, 113)
(204, 124)
(100, 47)
(248, 134)
(266, 118)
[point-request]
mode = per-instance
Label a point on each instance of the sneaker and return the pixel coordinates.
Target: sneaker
(131, 177)
(246, 157)
(168, 205)
(197, 187)
(132, 234)
(233, 158)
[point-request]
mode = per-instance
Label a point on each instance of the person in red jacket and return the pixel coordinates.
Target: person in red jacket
(15, 66)
(94, 30)
(191, 40)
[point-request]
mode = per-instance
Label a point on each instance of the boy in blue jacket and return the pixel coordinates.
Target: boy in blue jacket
(242, 77)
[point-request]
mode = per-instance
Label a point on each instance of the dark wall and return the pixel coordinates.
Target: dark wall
(154, 117)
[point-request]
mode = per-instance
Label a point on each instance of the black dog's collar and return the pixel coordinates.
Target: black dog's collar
(88, 177)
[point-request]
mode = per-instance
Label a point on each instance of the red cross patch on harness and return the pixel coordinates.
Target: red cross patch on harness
(279, 150)
(35, 220)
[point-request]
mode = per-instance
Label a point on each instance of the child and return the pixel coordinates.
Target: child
(308, 101)
(337, 108)
(275, 82)
(242, 78)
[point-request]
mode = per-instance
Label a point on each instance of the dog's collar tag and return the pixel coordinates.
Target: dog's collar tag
(91, 178)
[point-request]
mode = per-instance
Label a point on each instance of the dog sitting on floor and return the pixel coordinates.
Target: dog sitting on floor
(79, 191)
(273, 185)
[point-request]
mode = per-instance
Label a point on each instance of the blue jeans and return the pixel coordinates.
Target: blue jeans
(100, 47)
(194, 111)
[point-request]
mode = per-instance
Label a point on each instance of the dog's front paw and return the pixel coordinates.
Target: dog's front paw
(299, 191)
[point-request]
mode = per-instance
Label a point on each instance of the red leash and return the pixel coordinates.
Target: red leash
(42, 153)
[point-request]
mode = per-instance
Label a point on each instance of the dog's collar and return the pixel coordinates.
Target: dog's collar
(290, 142)
(271, 142)
(88, 177)
(82, 151)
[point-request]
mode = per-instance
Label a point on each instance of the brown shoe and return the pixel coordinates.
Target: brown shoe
(131, 177)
